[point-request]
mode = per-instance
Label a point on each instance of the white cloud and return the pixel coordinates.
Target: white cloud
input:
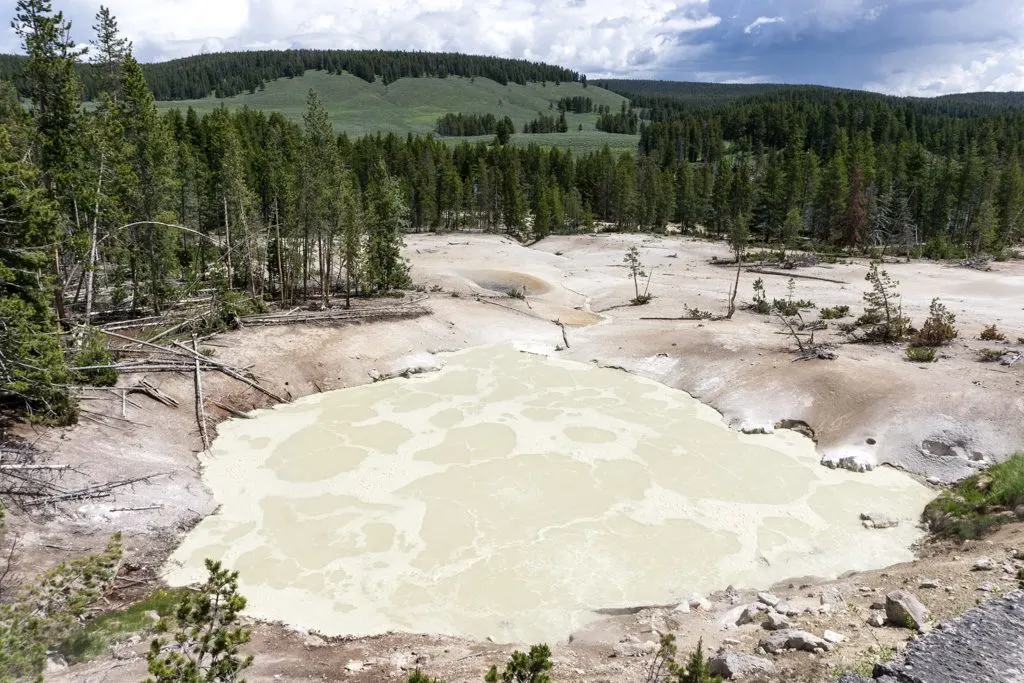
(761, 21)
(605, 36)
(920, 74)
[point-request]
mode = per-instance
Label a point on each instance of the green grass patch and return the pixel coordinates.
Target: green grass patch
(413, 105)
(94, 637)
(921, 354)
(978, 504)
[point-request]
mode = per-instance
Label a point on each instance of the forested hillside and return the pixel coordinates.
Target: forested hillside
(120, 209)
(232, 73)
(410, 105)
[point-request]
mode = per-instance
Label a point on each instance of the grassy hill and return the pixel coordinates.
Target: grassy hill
(413, 105)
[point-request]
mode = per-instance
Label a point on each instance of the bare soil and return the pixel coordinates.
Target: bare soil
(938, 421)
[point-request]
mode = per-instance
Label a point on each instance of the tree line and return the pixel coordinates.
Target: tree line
(232, 73)
(546, 124)
(118, 209)
(464, 125)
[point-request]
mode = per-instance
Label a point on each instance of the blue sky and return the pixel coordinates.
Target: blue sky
(913, 47)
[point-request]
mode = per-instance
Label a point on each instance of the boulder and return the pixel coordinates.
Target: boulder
(928, 583)
(629, 649)
(849, 458)
(877, 620)
(776, 622)
(987, 587)
(792, 639)
(833, 637)
(768, 599)
(878, 520)
(735, 665)
(983, 564)
(902, 608)
(751, 614)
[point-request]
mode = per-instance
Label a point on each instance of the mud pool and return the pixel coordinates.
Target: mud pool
(510, 494)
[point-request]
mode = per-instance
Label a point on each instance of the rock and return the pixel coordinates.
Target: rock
(314, 641)
(983, 564)
(776, 622)
(849, 458)
(796, 606)
(750, 614)
(736, 665)
(833, 637)
(1019, 512)
(683, 607)
(699, 602)
(836, 595)
(628, 649)
(987, 587)
(877, 620)
(55, 664)
(928, 583)
(878, 520)
(854, 678)
(983, 644)
(151, 614)
(353, 666)
(902, 608)
(792, 639)
(768, 599)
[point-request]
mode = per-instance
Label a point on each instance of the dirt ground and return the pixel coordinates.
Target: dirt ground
(938, 422)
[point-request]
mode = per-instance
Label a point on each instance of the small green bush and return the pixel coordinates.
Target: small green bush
(835, 312)
(992, 333)
(698, 314)
(990, 355)
(938, 329)
(94, 352)
(524, 667)
(976, 505)
(921, 354)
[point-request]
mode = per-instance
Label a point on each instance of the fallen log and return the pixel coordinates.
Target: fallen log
(764, 271)
(200, 411)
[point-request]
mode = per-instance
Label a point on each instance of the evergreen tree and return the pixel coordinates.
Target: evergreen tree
(387, 216)
(110, 49)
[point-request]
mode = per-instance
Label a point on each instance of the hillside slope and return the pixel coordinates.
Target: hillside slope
(413, 105)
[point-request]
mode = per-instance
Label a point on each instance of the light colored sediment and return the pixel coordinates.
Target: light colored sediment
(931, 420)
(512, 495)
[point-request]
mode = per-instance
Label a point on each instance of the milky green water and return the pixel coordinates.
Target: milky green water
(510, 495)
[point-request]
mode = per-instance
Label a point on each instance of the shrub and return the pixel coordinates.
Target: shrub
(883, 320)
(761, 304)
(990, 355)
(992, 333)
(208, 638)
(921, 354)
(94, 353)
(938, 329)
(523, 667)
(665, 669)
(835, 312)
(972, 508)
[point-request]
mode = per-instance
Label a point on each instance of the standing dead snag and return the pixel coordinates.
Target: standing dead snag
(200, 409)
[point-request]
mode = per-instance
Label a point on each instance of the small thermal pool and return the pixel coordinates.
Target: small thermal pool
(510, 495)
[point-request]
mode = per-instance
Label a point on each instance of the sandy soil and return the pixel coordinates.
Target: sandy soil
(938, 421)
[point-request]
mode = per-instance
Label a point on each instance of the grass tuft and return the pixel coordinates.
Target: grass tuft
(979, 504)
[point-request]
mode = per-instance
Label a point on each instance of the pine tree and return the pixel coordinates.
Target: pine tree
(110, 49)
(855, 215)
(146, 185)
(387, 216)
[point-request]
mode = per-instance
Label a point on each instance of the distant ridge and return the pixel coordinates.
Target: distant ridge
(225, 74)
(718, 93)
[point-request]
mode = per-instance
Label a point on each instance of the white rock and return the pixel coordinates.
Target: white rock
(877, 620)
(983, 564)
(929, 583)
(878, 520)
(768, 599)
(683, 607)
(354, 665)
(849, 458)
(833, 637)
(777, 622)
(628, 649)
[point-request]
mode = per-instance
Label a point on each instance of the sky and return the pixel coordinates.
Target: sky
(904, 47)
